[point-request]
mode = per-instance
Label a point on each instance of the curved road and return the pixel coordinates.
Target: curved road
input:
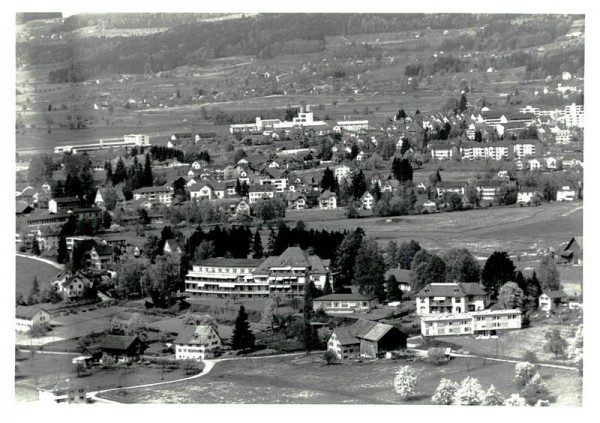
(43, 260)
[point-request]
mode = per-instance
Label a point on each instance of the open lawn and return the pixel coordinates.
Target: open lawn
(26, 269)
(43, 370)
(306, 380)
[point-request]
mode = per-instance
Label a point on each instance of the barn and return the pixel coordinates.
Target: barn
(366, 339)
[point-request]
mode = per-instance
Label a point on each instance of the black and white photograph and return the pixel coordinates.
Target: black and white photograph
(298, 208)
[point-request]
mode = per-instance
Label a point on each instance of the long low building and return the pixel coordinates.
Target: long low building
(257, 278)
(484, 322)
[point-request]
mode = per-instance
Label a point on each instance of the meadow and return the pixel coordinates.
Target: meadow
(27, 269)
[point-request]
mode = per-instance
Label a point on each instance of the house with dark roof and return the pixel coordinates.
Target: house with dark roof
(101, 256)
(401, 275)
(163, 194)
(67, 391)
(345, 303)
(296, 201)
(101, 196)
(550, 300)
(28, 317)
(121, 349)
(71, 285)
(366, 339)
(573, 251)
(451, 298)
(196, 343)
(328, 200)
(23, 207)
(171, 247)
(64, 204)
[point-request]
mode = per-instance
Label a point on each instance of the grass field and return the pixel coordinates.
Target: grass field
(26, 269)
(306, 380)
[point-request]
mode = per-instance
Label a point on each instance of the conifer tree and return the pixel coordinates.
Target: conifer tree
(120, 173)
(394, 293)
(327, 288)
(147, 178)
(62, 254)
(34, 294)
(35, 247)
(242, 338)
(257, 247)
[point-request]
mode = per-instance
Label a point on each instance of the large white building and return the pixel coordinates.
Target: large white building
(257, 278)
(303, 120)
(342, 172)
(524, 148)
(28, 317)
(137, 139)
(574, 116)
(351, 125)
(451, 298)
(484, 322)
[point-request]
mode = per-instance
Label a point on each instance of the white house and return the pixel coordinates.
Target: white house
(550, 299)
(345, 303)
(367, 201)
(342, 172)
(453, 298)
(534, 164)
(196, 343)
(527, 197)
(484, 322)
(202, 190)
(566, 193)
(70, 285)
(328, 200)
(28, 317)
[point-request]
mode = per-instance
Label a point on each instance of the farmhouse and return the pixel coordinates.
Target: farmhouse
(402, 277)
(30, 317)
(71, 285)
(345, 303)
(196, 343)
(328, 200)
(454, 298)
(68, 391)
(120, 349)
(366, 339)
(550, 300)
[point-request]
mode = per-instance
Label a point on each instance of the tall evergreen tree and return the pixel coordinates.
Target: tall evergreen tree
(120, 173)
(257, 247)
(327, 287)
(62, 253)
(109, 173)
(147, 178)
(271, 245)
(369, 269)
(35, 247)
(328, 181)
(394, 293)
(359, 184)
(34, 293)
(498, 270)
(463, 103)
(242, 338)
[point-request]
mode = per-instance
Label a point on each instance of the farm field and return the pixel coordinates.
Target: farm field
(511, 229)
(306, 380)
(26, 269)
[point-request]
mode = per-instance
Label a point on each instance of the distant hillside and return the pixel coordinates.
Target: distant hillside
(34, 16)
(191, 40)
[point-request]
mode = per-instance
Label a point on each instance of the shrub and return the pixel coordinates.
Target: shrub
(530, 357)
(515, 400)
(535, 390)
(436, 356)
(329, 357)
(469, 392)
(493, 397)
(524, 371)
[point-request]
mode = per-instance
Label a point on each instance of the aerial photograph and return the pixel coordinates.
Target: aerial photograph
(299, 208)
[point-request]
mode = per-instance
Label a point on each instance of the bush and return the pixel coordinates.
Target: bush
(530, 357)
(329, 357)
(436, 356)
(535, 390)
(524, 371)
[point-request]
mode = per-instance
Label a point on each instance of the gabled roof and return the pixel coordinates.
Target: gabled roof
(146, 190)
(230, 262)
(173, 245)
(103, 250)
(345, 297)
(401, 275)
(365, 195)
(27, 312)
(460, 289)
(345, 336)
(262, 188)
(326, 195)
(118, 342)
(451, 184)
(293, 257)
(61, 200)
(195, 335)
(556, 294)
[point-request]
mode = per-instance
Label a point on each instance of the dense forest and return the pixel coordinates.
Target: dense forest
(190, 42)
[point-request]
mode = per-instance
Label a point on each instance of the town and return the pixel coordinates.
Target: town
(409, 250)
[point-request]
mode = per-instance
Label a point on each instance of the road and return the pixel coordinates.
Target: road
(50, 262)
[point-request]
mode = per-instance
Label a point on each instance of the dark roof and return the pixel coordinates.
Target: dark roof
(22, 206)
(66, 200)
(401, 275)
(345, 336)
(231, 262)
(145, 190)
(293, 257)
(451, 184)
(262, 188)
(194, 335)
(490, 183)
(575, 244)
(326, 195)
(117, 342)
(103, 250)
(27, 312)
(345, 297)
(451, 290)
(556, 294)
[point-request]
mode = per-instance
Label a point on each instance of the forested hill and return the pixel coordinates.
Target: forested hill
(191, 40)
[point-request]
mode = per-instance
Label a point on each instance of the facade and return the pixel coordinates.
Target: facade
(442, 152)
(342, 172)
(551, 299)
(523, 148)
(202, 190)
(402, 277)
(65, 392)
(367, 201)
(528, 197)
(451, 298)
(101, 194)
(328, 200)
(365, 339)
(120, 349)
(458, 187)
(28, 317)
(566, 193)
(351, 125)
(163, 195)
(101, 256)
(64, 204)
(71, 286)
(257, 192)
(488, 190)
(137, 139)
(223, 278)
(484, 322)
(345, 303)
(196, 343)
(574, 116)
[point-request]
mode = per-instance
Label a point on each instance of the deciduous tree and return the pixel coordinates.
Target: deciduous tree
(405, 381)
(444, 393)
(469, 392)
(510, 296)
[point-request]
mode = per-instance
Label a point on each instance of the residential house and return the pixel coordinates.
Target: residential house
(47, 237)
(428, 206)
(345, 303)
(242, 207)
(71, 285)
(534, 164)
(171, 247)
(454, 298)
(202, 190)
(257, 192)
(342, 172)
(443, 151)
(328, 200)
(488, 190)
(550, 300)
(22, 208)
(99, 200)
(458, 187)
(163, 195)
(365, 339)
(121, 349)
(196, 343)
(524, 148)
(402, 277)
(64, 204)
(566, 193)
(574, 116)
(297, 201)
(101, 257)
(30, 317)
(367, 200)
(64, 392)
(391, 185)
(528, 197)
(550, 163)
(573, 252)
(478, 323)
